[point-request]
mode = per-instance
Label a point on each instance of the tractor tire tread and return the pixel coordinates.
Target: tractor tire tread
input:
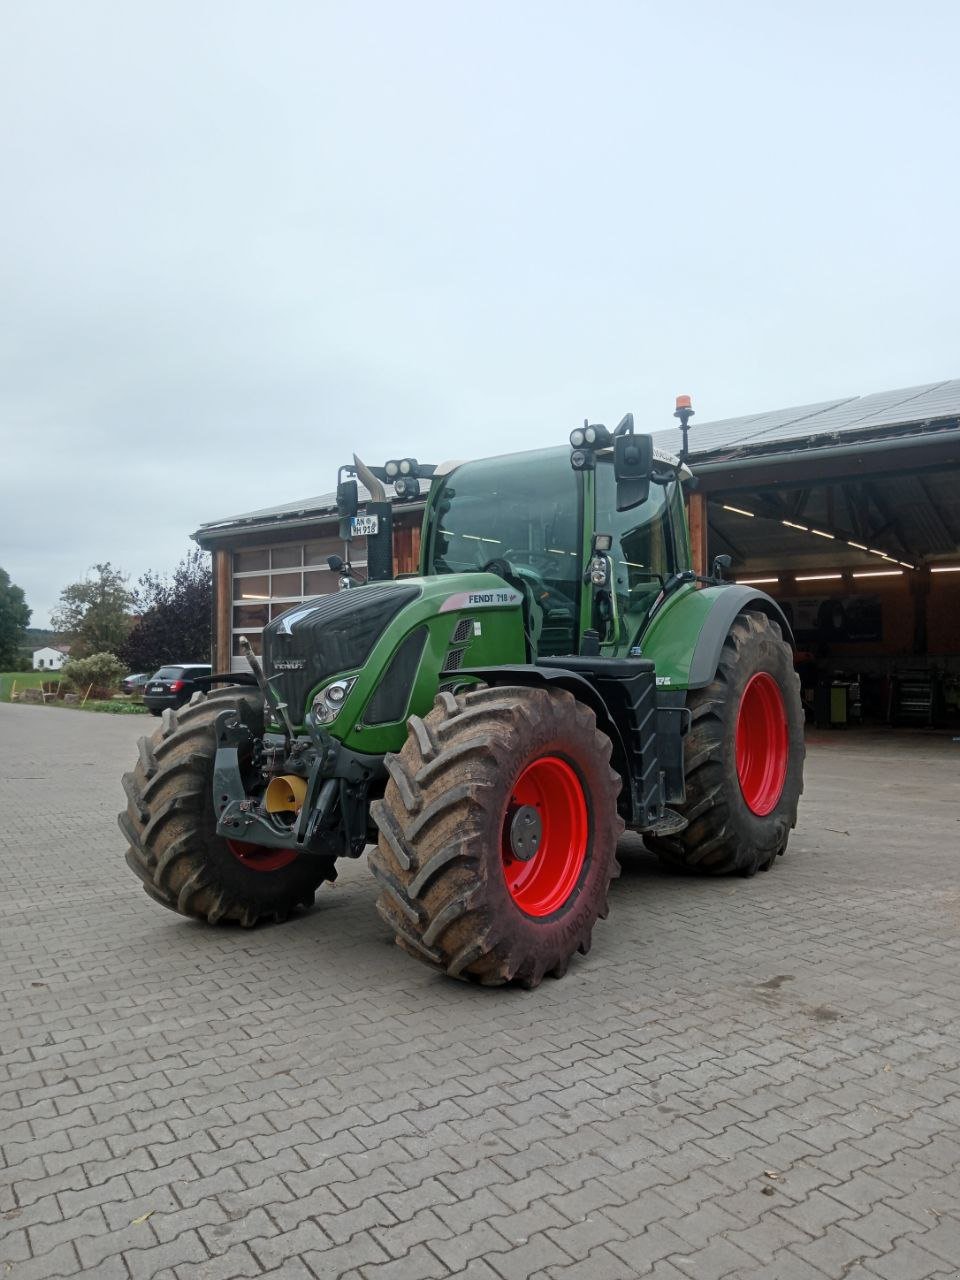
(169, 824)
(428, 864)
(712, 842)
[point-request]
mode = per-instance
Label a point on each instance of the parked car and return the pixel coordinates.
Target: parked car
(173, 686)
(135, 683)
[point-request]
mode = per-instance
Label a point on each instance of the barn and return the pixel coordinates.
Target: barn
(847, 511)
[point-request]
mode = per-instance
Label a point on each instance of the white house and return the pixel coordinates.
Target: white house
(49, 659)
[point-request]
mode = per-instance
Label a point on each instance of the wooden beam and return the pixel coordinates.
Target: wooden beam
(221, 645)
(697, 515)
(927, 454)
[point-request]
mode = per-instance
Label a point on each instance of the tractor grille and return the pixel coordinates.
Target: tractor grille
(453, 661)
(464, 631)
(321, 638)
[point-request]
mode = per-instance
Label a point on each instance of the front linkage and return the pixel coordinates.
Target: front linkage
(317, 797)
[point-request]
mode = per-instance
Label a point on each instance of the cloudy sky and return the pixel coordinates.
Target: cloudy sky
(239, 239)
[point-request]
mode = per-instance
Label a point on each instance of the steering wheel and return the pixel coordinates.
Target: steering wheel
(535, 590)
(541, 561)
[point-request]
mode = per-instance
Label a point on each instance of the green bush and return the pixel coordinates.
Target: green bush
(100, 673)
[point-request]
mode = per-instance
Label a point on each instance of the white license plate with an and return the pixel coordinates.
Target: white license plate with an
(364, 526)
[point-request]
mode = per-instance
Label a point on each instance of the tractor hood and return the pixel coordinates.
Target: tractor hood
(314, 641)
(396, 644)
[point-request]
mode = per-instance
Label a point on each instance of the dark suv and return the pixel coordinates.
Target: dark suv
(173, 686)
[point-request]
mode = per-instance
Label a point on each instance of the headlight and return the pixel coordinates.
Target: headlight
(327, 703)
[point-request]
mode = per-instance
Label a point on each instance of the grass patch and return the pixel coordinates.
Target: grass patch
(23, 680)
(126, 706)
(113, 706)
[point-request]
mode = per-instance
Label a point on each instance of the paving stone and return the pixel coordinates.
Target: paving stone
(836, 1253)
(143, 1264)
(910, 1260)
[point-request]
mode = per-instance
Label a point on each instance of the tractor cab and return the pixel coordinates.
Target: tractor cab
(555, 531)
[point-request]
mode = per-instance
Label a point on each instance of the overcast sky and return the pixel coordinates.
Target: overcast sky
(238, 240)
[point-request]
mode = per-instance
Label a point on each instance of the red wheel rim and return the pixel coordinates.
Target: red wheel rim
(543, 883)
(762, 744)
(258, 857)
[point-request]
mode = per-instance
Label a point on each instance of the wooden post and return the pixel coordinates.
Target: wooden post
(697, 515)
(221, 647)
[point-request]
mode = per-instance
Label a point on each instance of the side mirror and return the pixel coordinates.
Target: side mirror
(348, 502)
(335, 563)
(632, 467)
(720, 566)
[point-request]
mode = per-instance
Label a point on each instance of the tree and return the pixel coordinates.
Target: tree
(175, 616)
(14, 619)
(95, 613)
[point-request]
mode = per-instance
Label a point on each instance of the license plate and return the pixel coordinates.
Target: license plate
(154, 688)
(364, 526)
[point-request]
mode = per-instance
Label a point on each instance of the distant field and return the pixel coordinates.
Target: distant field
(34, 679)
(24, 680)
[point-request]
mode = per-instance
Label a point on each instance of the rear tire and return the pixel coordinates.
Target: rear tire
(170, 824)
(743, 758)
(458, 884)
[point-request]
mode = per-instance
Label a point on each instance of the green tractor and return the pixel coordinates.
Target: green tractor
(555, 673)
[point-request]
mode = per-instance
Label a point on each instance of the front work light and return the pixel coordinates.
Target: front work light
(592, 435)
(584, 441)
(597, 436)
(327, 703)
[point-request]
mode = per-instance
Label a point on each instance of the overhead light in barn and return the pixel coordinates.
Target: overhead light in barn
(818, 577)
(946, 568)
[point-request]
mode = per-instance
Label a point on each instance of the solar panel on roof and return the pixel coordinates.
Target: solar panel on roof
(857, 413)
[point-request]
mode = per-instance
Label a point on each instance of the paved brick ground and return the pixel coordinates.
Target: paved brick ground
(744, 1078)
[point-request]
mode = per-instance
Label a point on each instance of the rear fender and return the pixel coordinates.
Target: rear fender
(685, 639)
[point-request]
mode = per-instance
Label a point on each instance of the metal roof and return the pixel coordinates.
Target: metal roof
(322, 504)
(821, 423)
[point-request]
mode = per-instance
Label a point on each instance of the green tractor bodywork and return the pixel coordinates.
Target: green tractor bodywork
(557, 633)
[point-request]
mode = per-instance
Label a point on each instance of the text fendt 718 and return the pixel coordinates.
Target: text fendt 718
(554, 674)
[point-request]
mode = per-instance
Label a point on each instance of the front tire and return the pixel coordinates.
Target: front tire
(170, 824)
(743, 757)
(498, 832)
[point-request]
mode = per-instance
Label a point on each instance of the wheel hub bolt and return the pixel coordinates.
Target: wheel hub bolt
(526, 832)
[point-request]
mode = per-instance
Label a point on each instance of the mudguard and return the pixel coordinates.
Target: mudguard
(687, 635)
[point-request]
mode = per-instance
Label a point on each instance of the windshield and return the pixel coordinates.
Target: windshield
(641, 548)
(523, 510)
